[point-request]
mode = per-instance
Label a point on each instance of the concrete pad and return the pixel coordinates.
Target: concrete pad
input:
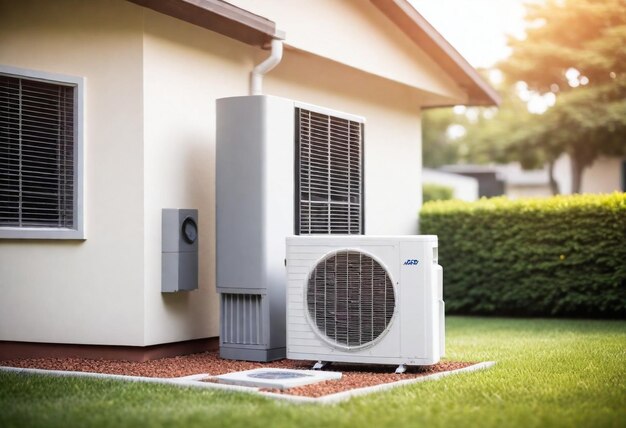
(276, 378)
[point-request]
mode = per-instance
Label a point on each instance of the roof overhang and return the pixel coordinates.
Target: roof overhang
(219, 16)
(415, 26)
(245, 26)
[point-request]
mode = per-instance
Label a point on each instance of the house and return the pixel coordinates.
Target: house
(505, 179)
(520, 182)
(605, 175)
(463, 187)
(490, 181)
(109, 105)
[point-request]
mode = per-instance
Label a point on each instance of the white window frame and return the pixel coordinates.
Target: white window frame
(78, 232)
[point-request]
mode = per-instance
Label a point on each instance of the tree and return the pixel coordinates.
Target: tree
(438, 148)
(493, 136)
(489, 134)
(575, 49)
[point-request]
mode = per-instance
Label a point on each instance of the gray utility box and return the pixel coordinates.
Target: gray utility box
(179, 256)
(254, 215)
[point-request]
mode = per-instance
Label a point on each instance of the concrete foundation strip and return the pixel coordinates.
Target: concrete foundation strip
(193, 380)
(196, 381)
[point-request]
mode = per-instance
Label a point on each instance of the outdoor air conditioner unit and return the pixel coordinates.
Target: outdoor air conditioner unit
(365, 299)
(282, 168)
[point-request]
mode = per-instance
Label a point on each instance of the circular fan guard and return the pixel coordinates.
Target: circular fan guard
(350, 298)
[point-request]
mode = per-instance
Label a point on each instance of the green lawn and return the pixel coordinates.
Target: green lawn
(549, 373)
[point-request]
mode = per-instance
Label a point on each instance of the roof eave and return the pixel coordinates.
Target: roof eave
(219, 16)
(255, 30)
(418, 29)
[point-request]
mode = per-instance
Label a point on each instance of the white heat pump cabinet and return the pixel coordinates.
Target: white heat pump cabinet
(365, 299)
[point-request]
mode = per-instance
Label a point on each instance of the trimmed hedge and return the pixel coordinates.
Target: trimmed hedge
(559, 256)
(436, 192)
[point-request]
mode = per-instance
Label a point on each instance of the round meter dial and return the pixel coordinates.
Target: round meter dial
(190, 230)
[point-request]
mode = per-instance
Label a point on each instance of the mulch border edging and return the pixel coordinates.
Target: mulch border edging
(346, 395)
(197, 381)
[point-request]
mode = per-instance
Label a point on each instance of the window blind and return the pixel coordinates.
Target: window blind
(329, 178)
(36, 153)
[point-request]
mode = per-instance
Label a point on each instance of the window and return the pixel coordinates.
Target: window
(40, 156)
(329, 191)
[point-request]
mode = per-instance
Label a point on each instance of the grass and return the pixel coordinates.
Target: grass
(559, 373)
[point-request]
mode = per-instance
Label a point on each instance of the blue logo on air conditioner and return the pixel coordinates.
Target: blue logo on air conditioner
(410, 262)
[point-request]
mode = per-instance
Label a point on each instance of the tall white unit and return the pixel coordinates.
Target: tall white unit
(282, 168)
(365, 299)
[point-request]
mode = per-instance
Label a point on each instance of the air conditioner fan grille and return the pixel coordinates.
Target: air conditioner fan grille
(350, 298)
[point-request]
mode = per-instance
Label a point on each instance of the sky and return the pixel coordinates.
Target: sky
(476, 28)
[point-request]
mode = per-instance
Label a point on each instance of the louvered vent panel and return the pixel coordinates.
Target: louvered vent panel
(242, 319)
(330, 174)
(350, 298)
(36, 153)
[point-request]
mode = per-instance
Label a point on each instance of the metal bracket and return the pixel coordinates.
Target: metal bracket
(320, 365)
(401, 369)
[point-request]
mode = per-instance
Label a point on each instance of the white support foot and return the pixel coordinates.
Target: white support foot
(401, 369)
(320, 365)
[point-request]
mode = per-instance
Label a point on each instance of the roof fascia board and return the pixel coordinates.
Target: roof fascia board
(219, 16)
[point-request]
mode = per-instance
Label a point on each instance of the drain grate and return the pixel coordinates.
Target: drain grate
(276, 378)
(278, 375)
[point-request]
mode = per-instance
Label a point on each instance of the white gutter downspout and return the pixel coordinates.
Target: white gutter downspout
(256, 76)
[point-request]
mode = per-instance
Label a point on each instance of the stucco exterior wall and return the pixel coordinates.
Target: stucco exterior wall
(186, 69)
(83, 291)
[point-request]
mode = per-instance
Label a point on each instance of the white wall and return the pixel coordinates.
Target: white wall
(465, 188)
(603, 176)
(186, 68)
(91, 291)
(515, 191)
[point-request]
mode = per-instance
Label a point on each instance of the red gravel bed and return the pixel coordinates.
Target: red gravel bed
(354, 375)
(206, 362)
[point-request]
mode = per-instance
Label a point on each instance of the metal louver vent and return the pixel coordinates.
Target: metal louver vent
(36, 153)
(350, 298)
(242, 319)
(329, 182)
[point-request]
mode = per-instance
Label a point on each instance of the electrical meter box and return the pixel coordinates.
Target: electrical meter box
(179, 253)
